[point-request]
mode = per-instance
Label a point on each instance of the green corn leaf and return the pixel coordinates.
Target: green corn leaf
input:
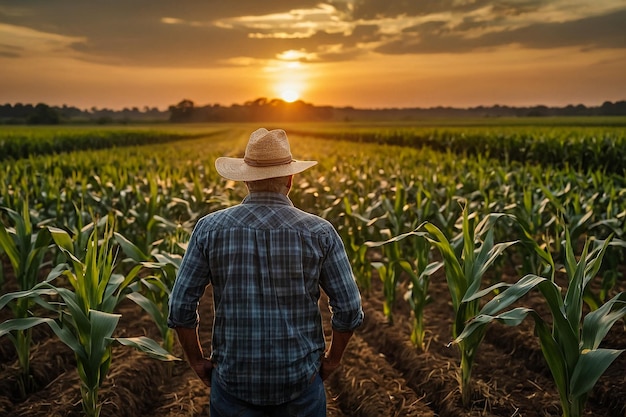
(35, 292)
(454, 272)
(554, 357)
(512, 294)
(576, 273)
(149, 306)
(598, 322)
(595, 263)
(62, 239)
(131, 250)
(76, 310)
(566, 335)
(66, 335)
(148, 346)
(102, 326)
(480, 294)
(589, 368)
(25, 323)
(10, 248)
(486, 261)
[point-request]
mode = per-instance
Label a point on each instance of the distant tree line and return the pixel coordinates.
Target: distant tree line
(43, 114)
(259, 110)
(276, 110)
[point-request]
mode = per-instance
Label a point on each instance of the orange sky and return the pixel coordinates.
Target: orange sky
(366, 53)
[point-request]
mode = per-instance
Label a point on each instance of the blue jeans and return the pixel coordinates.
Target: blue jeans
(311, 403)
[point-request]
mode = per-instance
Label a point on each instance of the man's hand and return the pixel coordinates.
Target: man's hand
(332, 358)
(203, 368)
(328, 368)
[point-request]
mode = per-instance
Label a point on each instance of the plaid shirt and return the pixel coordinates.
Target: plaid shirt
(266, 261)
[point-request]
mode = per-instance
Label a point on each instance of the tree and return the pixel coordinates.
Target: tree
(182, 112)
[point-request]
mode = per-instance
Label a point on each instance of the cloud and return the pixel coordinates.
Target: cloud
(149, 32)
(164, 33)
(376, 9)
(595, 32)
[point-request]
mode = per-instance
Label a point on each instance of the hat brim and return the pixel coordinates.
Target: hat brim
(237, 170)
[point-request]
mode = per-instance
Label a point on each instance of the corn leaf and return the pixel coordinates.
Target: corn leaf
(148, 305)
(25, 323)
(10, 248)
(102, 326)
(148, 346)
(131, 250)
(556, 360)
(35, 292)
(589, 368)
(454, 272)
(598, 322)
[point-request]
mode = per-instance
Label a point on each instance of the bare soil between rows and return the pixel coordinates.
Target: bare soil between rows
(382, 373)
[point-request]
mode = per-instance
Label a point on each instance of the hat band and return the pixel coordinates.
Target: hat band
(267, 162)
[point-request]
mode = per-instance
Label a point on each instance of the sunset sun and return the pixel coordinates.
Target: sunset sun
(289, 95)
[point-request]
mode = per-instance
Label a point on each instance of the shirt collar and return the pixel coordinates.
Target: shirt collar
(267, 199)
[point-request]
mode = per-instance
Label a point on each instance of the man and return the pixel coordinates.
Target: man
(266, 261)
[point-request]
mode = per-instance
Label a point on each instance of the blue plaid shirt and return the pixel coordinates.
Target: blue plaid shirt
(266, 260)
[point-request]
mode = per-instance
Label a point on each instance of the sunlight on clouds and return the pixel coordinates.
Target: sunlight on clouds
(172, 21)
(293, 55)
(33, 42)
(297, 23)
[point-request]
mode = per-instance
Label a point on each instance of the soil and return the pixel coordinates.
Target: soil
(382, 373)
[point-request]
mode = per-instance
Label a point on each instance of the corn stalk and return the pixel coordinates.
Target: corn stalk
(464, 275)
(419, 272)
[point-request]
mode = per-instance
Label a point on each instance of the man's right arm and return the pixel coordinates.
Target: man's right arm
(332, 357)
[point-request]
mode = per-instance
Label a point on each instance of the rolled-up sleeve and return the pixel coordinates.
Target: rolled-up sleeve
(337, 281)
(191, 281)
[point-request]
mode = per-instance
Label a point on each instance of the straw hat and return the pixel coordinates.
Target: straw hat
(268, 155)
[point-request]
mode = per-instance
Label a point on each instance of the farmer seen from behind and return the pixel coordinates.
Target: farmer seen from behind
(266, 261)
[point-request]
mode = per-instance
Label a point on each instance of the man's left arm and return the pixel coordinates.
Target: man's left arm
(337, 281)
(190, 342)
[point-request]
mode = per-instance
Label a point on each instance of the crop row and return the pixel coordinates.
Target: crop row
(584, 148)
(22, 142)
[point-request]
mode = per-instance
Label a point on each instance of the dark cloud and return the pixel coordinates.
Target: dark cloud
(134, 33)
(376, 9)
(7, 54)
(10, 51)
(593, 32)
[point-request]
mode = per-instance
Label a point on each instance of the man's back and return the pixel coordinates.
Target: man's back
(266, 262)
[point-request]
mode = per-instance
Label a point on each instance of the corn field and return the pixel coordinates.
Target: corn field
(490, 256)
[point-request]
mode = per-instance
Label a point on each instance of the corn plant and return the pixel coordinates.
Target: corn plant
(389, 272)
(87, 321)
(26, 247)
(353, 232)
(396, 219)
(570, 341)
(464, 273)
(419, 271)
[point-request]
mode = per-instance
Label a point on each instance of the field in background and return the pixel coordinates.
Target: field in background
(560, 182)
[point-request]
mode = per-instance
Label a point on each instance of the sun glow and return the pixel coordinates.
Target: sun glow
(289, 95)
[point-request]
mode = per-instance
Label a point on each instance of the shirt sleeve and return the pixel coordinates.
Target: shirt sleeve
(191, 281)
(337, 281)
